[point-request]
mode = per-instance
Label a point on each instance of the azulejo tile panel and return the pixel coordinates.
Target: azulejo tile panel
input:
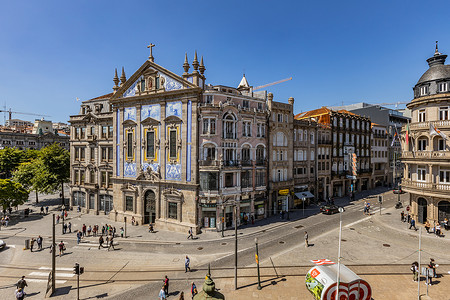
(173, 172)
(129, 114)
(154, 167)
(130, 169)
(151, 111)
(173, 109)
(170, 84)
(131, 91)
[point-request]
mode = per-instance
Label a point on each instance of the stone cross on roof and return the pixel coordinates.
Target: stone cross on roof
(151, 52)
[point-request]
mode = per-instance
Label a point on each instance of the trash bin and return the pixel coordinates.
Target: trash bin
(27, 244)
(27, 212)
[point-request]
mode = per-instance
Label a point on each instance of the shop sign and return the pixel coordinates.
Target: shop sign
(283, 192)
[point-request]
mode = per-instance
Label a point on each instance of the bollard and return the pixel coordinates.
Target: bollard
(27, 244)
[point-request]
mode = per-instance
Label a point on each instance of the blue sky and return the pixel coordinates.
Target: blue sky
(336, 51)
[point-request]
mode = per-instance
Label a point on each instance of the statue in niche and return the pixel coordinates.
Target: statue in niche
(149, 83)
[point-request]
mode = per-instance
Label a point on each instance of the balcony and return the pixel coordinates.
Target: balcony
(261, 162)
(438, 187)
(231, 163)
(230, 136)
(246, 163)
(426, 154)
(379, 172)
(324, 142)
(209, 163)
(442, 124)
(339, 173)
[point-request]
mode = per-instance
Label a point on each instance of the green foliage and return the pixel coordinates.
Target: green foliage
(10, 159)
(55, 163)
(12, 193)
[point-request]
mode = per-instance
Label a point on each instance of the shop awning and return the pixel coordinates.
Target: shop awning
(301, 195)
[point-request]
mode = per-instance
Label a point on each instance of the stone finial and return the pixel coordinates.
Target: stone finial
(202, 66)
(436, 52)
(123, 78)
(270, 96)
(116, 81)
(291, 100)
(195, 62)
(186, 65)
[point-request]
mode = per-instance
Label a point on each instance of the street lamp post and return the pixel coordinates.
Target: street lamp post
(257, 264)
(339, 253)
(223, 218)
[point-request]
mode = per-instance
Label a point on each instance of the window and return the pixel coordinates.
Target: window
(441, 145)
(300, 135)
(230, 127)
(83, 133)
(443, 87)
(109, 176)
(209, 126)
(260, 106)
(209, 99)
(104, 131)
(422, 144)
(229, 180)
(92, 153)
(443, 113)
(260, 153)
(444, 176)
(82, 153)
(245, 104)
(421, 115)
(129, 144)
(150, 144)
(312, 137)
(173, 144)
(295, 134)
(103, 179)
(346, 122)
(92, 176)
(261, 130)
(260, 178)
(110, 132)
(209, 153)
(280, 118)
(173, 210)
(246, 154)
(424, 90)
(312, 155)
(128, 203)
(335, 122)
(82, 177)
(209, 181)
(247, 129)
(246, 179)
(103, 153)
(421, 172)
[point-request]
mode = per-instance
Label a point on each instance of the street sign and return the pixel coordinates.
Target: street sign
(283, 192)
(351, 177)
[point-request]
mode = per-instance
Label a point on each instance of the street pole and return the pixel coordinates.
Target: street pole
(223, 218)
(339, 253)
(235, 247)
(303, 203)
(418, 278)
(257, 264)
(125, 226)
(53, 256)
(62, 218)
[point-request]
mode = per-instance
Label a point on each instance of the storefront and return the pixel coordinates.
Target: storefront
(300, 197)
(209, 215)
(283, 200)
(259, 208)
(245, 208)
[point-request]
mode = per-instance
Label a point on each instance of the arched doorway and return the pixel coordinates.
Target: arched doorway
(149, 207)
(443, 210)
(422, 210)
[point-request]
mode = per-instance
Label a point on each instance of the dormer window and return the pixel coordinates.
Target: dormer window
(443, 87)
(245, 104)
(424, 90)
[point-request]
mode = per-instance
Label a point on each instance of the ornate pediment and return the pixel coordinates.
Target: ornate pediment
(90, 118)
(129, 123)
(129, 187)
(149, 174)
(173, 194)
(150, 122)
(173, 119)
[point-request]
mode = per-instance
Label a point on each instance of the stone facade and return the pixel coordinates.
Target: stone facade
(24, 141)
(379, 159)
(425, 150)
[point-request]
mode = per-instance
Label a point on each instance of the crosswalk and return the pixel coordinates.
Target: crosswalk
(44, 272)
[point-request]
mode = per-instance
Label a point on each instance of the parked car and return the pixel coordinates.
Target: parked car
(2, 245)
(398, 191)
(329, 209)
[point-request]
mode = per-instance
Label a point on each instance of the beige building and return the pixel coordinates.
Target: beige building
(91, 157)
(426, 153)
(379, 160)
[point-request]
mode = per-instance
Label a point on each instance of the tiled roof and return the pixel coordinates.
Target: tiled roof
(313, 113)
(102, 97)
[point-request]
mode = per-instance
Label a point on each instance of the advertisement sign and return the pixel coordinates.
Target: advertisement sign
(321, 281)
(283, 192)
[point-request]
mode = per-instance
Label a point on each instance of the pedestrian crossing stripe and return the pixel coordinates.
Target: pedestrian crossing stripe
(46, 274)
(45, 280)
(57, 269)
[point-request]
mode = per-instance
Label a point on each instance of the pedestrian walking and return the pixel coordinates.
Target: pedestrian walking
(22, 283)
(415, 270)
(100, 242)
(132, 221)
(427, 226)
(166, 285)
(193, 290)
(89, 230)
(306, 240)
(187, 261)
(39, 242)
(94, 230)
(413, 224)
(114, 231)
(19, 293)
(402, 215)
(57, 219)
(62, 248)
(83, 229)
(162, 294)
(408, 217)
(79, 235)
(103, 230)
(190, 234)
(42, 210)
(181, 296)
(65, 228)
(32, 244)
(432, 265)
(121, 232)
(46, 209)
(111, 243)
(438, 230)
(69, 227)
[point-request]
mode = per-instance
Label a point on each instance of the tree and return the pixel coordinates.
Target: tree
(12, 193)
(27, 174)
(10, 159)
(53, 168)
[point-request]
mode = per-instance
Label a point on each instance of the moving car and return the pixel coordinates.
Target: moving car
(329, 209)
(398, 191)
(2, 245)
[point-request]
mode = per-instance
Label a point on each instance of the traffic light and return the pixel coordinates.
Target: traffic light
(81, 270)
(76, 269)
(380, 199)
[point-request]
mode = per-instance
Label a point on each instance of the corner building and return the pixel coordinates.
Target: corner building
(426, 153)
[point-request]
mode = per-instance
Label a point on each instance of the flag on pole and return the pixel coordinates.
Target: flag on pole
(435, 131)
(320, 262)
(395, 137)
(407, 133)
